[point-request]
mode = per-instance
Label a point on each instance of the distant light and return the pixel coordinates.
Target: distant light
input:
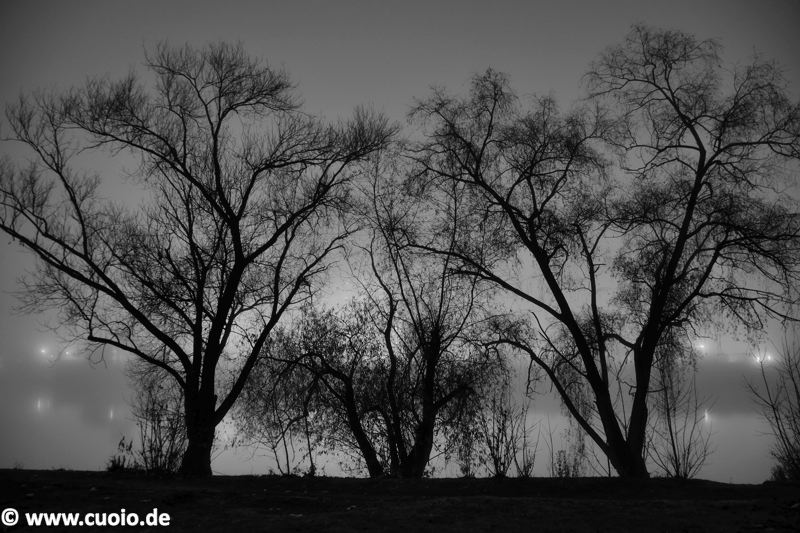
(702, 346)
(706, 416)
(764, 357)
(43, 351)
(111, 413)
(42, 404)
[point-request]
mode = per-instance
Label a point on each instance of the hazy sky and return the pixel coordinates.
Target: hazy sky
(341, 54)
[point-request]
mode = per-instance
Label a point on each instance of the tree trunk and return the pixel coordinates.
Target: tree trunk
(417, 459)
(374, 466)
(197, 458)
(629, 462)
(625, 449)
(200, 429)
(414, 467)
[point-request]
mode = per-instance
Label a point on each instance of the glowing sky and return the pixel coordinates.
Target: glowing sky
(341, 54)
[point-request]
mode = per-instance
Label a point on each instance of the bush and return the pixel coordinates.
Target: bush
(779, 399)
(124, 460)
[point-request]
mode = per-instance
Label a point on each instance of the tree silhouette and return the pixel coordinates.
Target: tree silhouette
(239, 214)
(391, 369)
(691, 225)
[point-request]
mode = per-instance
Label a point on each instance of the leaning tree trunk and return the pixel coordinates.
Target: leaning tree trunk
(627, 454)
(368, 453)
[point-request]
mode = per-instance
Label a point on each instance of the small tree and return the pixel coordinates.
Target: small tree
(157, 409)
(779, 398)
(570, 461)
(525, 459)
(463, 436)
(680, 439)
(502, 430)
(395, 366)
(345, 355)
(275, 410)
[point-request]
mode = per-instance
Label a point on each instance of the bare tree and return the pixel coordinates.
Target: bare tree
(240, 195)
(572, 459)
(525, 458)
(611, 262)
(779, 398)
(503, 433)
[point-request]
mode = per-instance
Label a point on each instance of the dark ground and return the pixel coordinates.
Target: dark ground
(245, 503)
